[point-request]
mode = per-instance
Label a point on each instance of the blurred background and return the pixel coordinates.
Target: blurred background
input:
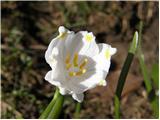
(27, 29)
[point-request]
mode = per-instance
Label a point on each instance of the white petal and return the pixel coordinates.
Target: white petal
(63, 91)
(79, 45)
(87, 81)
(103, 58)
(78, 97)
(90, 47)
(51, 79)
(57, 44)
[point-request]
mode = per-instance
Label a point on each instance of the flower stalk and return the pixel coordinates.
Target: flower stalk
(51, 105)
(124, 73)
(57, 108)
(148, 84)
(78, 109)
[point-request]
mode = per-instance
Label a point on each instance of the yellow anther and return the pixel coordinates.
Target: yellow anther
(107, 54)
(71, 74)
(68, 57)
(88, 37)
(80, 72)
(83, 63)
(75, 60)
(84, 71)
(68, 66)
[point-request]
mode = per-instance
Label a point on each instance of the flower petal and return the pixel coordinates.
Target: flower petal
(103, 58)
(78, 97)
(87, 81)
(90, 47)
(63, 91)
(57, 44)
(79, 45)
(50, 77)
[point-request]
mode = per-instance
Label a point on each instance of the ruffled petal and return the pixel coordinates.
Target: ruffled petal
(78, 97)
(56, 48)
(103, 58)
(51, 77)
(87, 81)
(63, 91)
(81, 46)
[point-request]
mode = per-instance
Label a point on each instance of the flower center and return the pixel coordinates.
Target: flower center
(73, 68)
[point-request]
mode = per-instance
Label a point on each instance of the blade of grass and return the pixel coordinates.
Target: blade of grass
(78, 109)
(56, 110)
(150, 91)
(142, 63)
(155, 75)
(50, 106)
(124, 73)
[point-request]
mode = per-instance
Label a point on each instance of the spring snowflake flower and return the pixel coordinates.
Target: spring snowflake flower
(78, 63)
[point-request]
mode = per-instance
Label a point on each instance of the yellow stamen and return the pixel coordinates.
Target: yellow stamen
(68, 57)
(83, 63)
(68, 66)
(75, 60)
(71, 74)
(80, 72)
(84, 71)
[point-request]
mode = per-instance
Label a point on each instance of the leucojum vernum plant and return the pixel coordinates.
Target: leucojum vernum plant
(77, 64)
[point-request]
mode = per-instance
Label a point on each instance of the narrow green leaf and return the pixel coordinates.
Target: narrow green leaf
(50, 106)
(150, 91)
(143, 67)
(78, 109)
(155, 104)
(145, 74)
(117, 107)
(56, 110)
(124, 72)
(155, 75)
(134, 43)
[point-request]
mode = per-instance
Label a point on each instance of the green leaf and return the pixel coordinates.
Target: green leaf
(56, 110)
(50, 106)
(155, 75)
(124, 73)
(145, 74)
(150, 91)
(117, 107)
(134, 43)
(78, 109)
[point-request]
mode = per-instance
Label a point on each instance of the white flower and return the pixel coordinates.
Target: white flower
(78, 63)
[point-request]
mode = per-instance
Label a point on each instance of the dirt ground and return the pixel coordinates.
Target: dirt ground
(26, 30)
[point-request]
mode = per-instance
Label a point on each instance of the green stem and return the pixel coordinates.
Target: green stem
(78, 109)
(143, 67)
(50, 106)
(56, 110)
(148, 84)
(117, 107)
(123, 74)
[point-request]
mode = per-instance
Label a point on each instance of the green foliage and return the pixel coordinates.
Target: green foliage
(117, 107)
(124, 72)
(155, 75)
(45, 114)
(77, 110)
(147, 77)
